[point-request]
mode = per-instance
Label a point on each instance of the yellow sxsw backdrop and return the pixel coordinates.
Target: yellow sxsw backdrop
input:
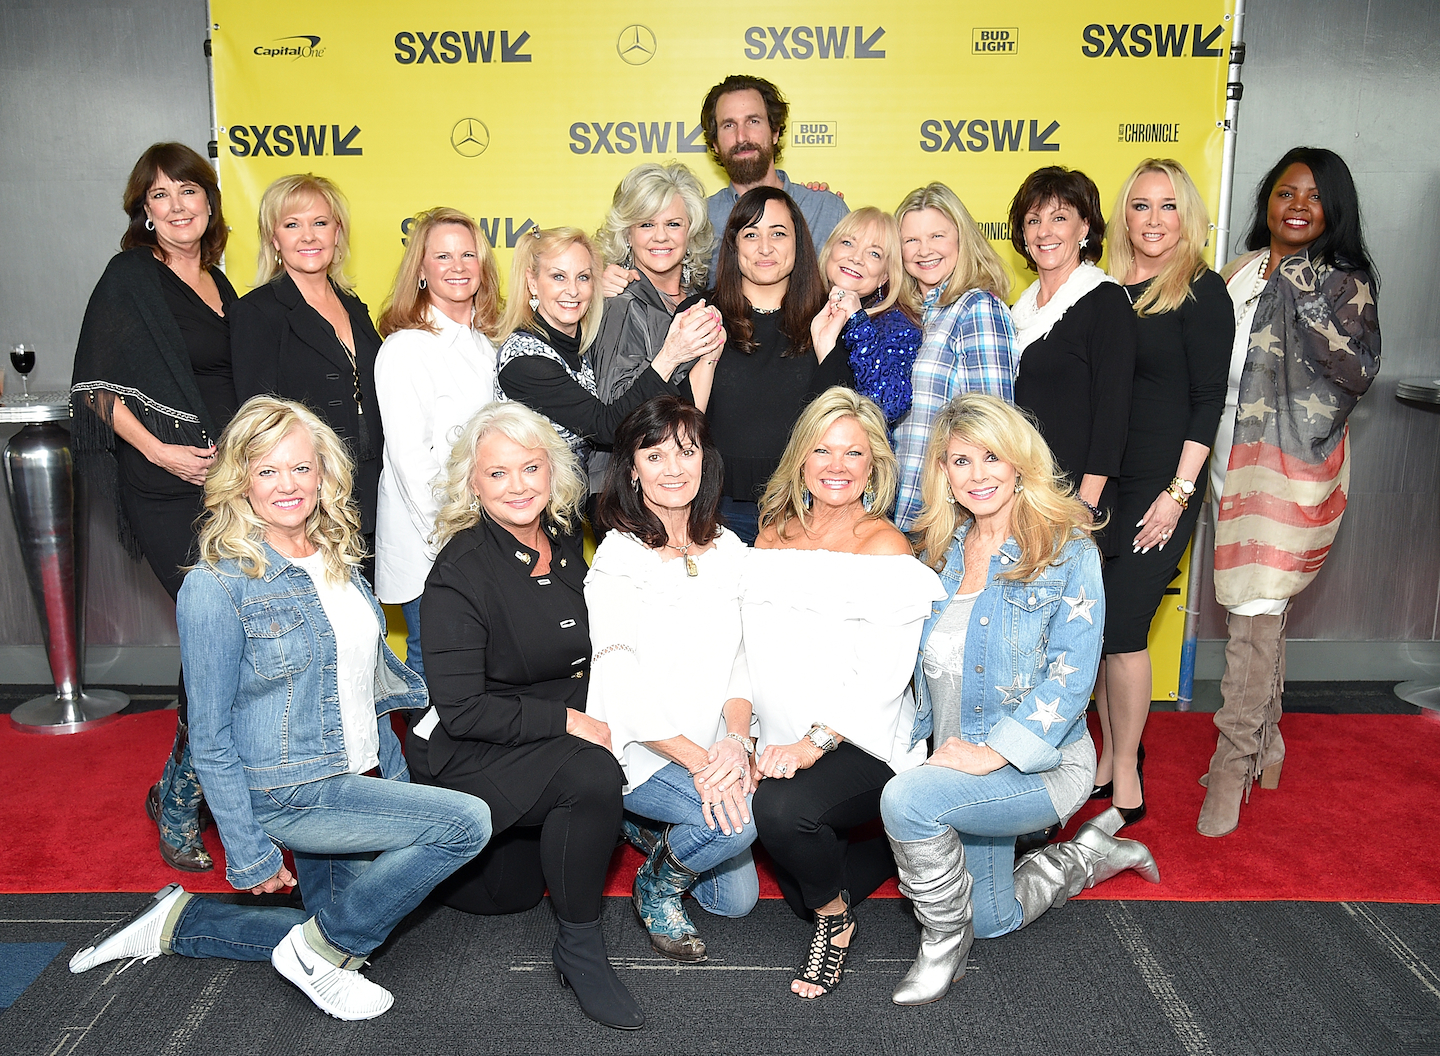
(525, 113)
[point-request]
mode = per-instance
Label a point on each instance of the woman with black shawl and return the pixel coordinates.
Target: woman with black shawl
(152, 389)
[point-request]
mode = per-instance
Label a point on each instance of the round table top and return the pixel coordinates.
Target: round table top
(1419, 390)
(42, 407)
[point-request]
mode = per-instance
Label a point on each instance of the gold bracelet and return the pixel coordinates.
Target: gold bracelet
(1176, 493)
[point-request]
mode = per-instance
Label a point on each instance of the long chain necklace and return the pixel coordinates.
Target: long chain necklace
(691, 568)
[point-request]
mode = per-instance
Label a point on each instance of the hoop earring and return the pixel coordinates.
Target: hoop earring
(422, 282)
(635, 483)
(149, 224)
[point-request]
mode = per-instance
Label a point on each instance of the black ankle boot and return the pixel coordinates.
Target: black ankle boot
(580, 958)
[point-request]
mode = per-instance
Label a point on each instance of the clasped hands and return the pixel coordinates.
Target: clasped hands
(826, 326)
(723, 782)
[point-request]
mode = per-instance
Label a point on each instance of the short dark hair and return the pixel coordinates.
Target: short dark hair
(1342, 243)
(182, 164)
(621, 506)
(804, 295)
(1056, 183)
(777, 110)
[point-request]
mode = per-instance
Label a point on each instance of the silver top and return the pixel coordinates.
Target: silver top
(44, 407)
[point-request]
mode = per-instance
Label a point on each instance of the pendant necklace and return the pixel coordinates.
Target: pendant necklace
(691, 568)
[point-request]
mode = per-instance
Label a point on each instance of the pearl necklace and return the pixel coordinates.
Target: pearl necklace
(1260, 280)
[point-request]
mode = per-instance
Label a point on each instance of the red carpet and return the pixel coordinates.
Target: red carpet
(1346, 824)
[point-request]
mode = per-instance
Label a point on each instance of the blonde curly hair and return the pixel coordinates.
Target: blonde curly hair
(231, 530)
(459, 505)
(1046, 514)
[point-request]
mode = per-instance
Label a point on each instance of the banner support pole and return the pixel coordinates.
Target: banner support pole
(1200, 546)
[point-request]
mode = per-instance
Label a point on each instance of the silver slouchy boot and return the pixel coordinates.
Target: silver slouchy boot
(934, 878)
(1047, 878)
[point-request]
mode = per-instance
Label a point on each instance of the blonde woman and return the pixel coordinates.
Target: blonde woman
(1022, 603)
(434, 371)
(832, 602)
(507, 658)
(958, 283)
(291, 690)
(551, 321)
(658, 230)
(1184, 330)
(865, 312)
(303, 334)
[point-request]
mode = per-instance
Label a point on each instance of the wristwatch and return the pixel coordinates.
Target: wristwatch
(745, 742)
(1180, 491)
(820, 736)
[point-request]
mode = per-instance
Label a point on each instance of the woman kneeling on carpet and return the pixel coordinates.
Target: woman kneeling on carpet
(669, 674)
(1024, 606)
(833, 602)
(507, 656)
(291, 686)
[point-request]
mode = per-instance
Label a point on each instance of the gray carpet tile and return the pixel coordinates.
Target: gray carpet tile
(1229, 979)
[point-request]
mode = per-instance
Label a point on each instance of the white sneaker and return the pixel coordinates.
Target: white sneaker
(340, 992)
(137, 937)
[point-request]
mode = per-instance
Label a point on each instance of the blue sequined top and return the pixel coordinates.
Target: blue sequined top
(882, 352)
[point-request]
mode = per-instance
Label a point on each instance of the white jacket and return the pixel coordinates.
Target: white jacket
(429, 386)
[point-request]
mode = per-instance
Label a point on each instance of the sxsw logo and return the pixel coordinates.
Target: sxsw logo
(307, 46)
(450, 46)
(1143, 39)
(814, 134)
(807, 42)
(994, 41)
(490, 225)
(628, 137)
(938, 136)
(281, 141)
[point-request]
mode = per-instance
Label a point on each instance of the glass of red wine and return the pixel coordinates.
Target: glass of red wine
(22, 358)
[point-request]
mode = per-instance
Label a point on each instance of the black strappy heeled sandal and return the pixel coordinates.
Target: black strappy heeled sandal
(824, 962)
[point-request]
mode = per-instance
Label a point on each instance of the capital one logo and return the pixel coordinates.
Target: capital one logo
(304, 46)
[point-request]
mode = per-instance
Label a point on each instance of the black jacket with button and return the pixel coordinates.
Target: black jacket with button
(505, 655)
(281, 346)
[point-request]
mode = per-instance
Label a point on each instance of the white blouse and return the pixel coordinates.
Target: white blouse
(429, 386)
(666, 646)
(832, 638)
(357, 638)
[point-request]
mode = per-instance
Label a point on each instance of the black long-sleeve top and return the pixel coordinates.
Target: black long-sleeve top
(506, 653)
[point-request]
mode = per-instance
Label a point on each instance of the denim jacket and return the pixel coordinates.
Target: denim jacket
(259, 659)
(1031, 653)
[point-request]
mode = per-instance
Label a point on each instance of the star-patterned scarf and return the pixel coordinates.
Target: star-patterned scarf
(1314, 350)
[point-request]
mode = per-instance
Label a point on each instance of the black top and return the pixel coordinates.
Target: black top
(205, 338)
(1182, 364)
(505, 654)
(543, 385)
(1076, 381)
(282, 346)
(756, 398)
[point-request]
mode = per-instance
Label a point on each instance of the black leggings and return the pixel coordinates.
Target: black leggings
(563, 842)
(804, 823)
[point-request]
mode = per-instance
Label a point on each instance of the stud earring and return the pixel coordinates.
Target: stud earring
(1084, 241)
(149, 224)
(422, 282)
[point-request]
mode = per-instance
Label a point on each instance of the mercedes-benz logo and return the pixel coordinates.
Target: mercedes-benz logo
(636, 45)
(469, 137)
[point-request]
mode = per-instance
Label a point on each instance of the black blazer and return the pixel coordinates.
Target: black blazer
(281, 346)
(505, 654)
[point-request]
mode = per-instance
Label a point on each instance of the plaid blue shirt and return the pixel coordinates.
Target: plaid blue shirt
(969, 346)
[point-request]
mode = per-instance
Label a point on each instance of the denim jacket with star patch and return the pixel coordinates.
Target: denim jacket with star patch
(1031, 653)
(260, 673)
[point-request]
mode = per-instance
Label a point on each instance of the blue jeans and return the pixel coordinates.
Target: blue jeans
(367, 851)
(988, 812)
(741, 517)
(728, 886)
(414, 658)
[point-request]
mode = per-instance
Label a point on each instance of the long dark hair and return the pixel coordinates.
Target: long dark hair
(805, 294)
(183, 165)
(1342, 243)
(622, 507)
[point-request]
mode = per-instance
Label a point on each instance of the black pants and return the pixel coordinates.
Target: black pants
(164, 528)
(563, 842)
(805, 822)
